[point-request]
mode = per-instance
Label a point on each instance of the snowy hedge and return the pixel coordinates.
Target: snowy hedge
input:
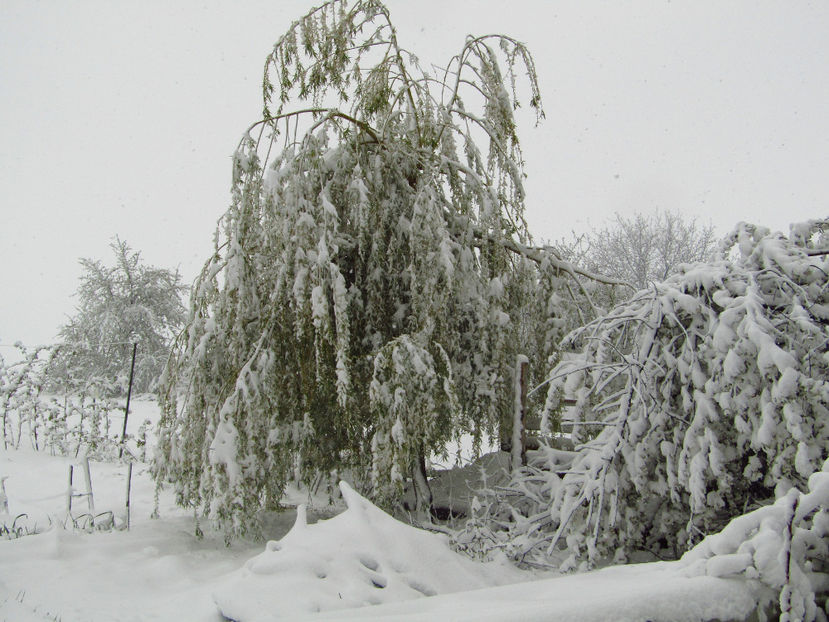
(697, 400)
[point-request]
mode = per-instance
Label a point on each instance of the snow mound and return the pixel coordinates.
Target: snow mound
(656, 592)
(360, 557)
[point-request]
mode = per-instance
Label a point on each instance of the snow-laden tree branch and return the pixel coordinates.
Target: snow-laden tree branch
(698, 399)
(783, 546)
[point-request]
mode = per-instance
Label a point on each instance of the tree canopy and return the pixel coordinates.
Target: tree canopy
(373, 278)
(648, 248)
(119, 305)
(640, 249)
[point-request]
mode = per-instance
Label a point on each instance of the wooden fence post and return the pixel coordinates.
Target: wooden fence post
(519, 434)
(88, 479)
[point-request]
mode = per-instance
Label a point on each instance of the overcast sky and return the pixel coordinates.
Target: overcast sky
(119, 118)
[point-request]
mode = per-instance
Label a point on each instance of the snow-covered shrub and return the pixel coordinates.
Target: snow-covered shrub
(86, 414)
(784, 546)
(62, 417)
(21, 388)
(697, 400)
(141, 439)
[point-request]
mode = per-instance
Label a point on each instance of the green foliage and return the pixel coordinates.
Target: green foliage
(371, 250)
(414, 405)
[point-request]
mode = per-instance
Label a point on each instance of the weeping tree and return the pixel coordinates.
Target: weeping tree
(373, 278)
(699, 399)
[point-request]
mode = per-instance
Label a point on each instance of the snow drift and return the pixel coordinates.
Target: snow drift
(360, 557)
(768, 560)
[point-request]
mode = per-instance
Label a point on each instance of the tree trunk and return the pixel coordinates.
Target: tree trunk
(423, 493)
(518, 446)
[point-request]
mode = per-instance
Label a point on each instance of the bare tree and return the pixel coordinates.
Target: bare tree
(647, 248)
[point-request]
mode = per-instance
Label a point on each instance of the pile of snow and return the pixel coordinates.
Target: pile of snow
(360, 557)
(657, 592)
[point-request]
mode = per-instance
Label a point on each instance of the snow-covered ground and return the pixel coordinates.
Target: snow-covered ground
(361, 564)
(156, 571)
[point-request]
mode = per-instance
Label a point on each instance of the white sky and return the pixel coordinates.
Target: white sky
(120, 118)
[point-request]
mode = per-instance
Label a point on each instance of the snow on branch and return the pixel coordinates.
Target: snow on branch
(784, 546)
(711, 390)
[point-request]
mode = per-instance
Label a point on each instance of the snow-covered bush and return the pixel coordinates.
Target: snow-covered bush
(21, 388)
(64, 418)
(700, 398)
(367, 225)
(784, 546)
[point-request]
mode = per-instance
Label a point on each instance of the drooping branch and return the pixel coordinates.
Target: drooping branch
(320, 114)
(542, 255)
(817, 252)
(382, 226)
(724, 400)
